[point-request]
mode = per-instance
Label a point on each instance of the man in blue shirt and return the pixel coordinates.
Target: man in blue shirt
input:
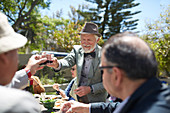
(66, 92)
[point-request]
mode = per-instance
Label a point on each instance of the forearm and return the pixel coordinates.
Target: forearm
(103, 107)
(69, 60)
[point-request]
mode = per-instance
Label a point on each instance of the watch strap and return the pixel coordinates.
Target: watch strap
(28, 73)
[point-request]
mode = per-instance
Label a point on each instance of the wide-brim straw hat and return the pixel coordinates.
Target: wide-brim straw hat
(90, 28)
(9, 39)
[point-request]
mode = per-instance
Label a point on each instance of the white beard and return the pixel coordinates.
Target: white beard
(89, 50)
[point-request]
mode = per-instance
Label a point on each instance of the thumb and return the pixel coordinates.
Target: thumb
(77, 89)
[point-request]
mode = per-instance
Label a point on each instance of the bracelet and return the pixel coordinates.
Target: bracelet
(28, 73)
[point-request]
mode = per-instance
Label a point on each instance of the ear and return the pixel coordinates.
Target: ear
(118, 76)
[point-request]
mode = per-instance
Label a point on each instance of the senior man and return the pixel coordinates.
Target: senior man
(15, 100)
(129, 73)
(88, 87)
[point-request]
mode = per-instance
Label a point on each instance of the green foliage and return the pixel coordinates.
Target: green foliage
(21, 11)
(77, 14)
(24, 17)
(158, 37)
(43, 33)
(48, 76)
(111, 16)
(67, 36)
(101, 42)
(48, 101)
(45, 80)
(58, 78)
(45, 75)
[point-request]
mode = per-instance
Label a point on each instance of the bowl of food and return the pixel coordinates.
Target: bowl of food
(48, 103)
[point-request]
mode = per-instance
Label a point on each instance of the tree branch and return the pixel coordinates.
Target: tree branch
(8, 16)
(21, 17)
(20, 13)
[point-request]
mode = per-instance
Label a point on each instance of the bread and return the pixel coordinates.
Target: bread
(38, 87)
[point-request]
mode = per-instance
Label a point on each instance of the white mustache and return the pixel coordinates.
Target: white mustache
(86, 45)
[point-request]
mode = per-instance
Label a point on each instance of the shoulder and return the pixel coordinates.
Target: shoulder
(17, 100)
(76, 46)
(9, 92)
(77, 49)
(99, 48)
(165, 93)
(156, 99)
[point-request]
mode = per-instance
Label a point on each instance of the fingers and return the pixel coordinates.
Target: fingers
(42, 60)
(35, 60)
(56, 87)
(38, 58)
(75, 107)
(79, 91)
(82, 90)
(40, 67)
(69, 110)
(66, 107)
(45, 57)
(50, 57)
(55, 63)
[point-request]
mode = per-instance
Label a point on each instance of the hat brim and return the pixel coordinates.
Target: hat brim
(98, 34)
(12, 41)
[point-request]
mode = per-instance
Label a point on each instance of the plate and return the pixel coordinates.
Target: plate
(53, 96)
(56, 108)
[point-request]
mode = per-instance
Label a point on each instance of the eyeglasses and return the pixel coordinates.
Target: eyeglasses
(105, 67)
(72, 69)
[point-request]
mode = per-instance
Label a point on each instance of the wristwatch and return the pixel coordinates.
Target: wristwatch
(28, 73)
(58, 92)
(91, 89)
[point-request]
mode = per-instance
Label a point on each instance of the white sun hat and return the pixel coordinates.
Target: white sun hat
(9, 39)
